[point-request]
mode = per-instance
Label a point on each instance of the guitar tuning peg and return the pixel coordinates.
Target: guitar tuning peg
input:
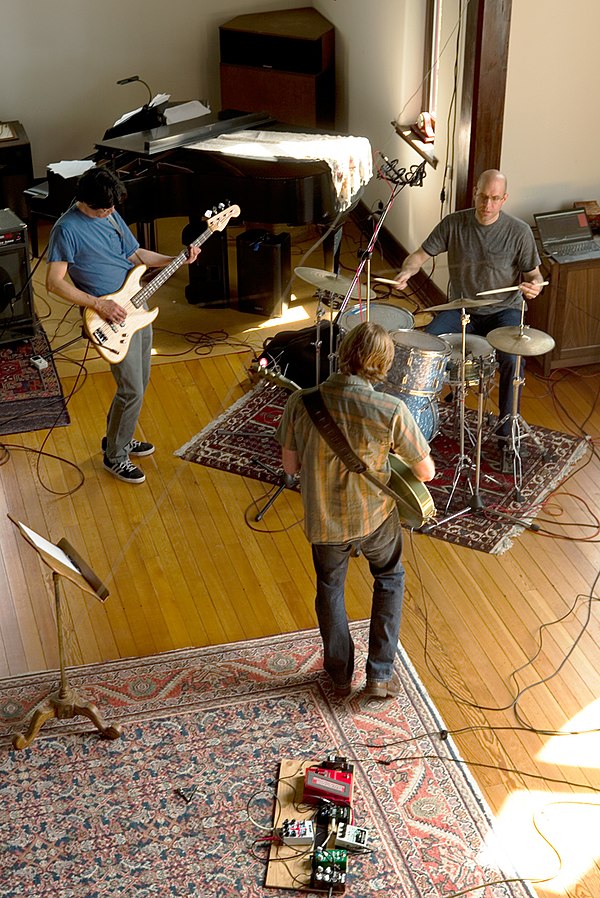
(221, 206)
(209, 213)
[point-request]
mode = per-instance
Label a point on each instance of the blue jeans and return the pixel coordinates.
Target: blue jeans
(449, 323)
(383, 551)
(131, 376)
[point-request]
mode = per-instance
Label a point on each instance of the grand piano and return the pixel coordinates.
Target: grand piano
(165, 177)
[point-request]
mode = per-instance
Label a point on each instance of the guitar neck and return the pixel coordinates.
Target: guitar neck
(165, 273)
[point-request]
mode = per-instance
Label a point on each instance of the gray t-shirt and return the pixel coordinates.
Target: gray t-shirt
(481, 257)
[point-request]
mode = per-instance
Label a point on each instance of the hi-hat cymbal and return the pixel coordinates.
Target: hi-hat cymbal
(519, 340)
(462, 303)
(327, 280)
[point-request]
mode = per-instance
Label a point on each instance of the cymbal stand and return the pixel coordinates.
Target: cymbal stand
(476, 503)
(463, 462)
(511, 453)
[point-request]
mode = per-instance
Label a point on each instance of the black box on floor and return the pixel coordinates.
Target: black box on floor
(16, 295)
(209, 275)
(264, 272)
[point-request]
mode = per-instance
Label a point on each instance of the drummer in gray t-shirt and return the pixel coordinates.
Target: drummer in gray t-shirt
(486, 249)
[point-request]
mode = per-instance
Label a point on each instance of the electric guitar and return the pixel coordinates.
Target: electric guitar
(413, 500)
(112, 340)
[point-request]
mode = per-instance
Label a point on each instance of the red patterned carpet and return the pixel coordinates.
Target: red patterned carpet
(243, 438)
(29, 399)
(86, 817)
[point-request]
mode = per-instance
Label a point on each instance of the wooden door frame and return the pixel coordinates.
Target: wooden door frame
(481, 114)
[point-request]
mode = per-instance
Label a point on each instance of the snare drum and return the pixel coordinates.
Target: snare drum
(390, 317)
(419, 362)
(480, 357)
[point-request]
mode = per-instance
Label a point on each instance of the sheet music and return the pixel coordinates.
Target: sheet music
(186, 111)
(49, 548)
(70, 168)
(155, 101)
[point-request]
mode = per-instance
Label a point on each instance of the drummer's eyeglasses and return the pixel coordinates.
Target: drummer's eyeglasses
(493, 199)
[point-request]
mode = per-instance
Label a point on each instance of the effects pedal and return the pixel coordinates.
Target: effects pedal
(354, 838)
(297, 832)
(329, 868)
(329, 782)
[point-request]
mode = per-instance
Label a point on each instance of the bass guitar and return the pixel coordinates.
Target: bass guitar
(413, 500)
(112, 340)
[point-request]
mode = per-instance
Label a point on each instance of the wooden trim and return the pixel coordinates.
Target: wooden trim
(481, 116)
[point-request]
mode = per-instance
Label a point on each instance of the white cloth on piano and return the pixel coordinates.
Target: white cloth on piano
(349, 158)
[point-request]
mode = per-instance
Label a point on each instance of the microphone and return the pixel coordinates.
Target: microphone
(136, 78)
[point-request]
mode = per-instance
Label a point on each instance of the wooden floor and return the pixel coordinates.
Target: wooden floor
(187, 566)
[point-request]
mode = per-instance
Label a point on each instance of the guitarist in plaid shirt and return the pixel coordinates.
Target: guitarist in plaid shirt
(344, 513)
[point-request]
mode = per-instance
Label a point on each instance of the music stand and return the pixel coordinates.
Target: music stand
(66, 702)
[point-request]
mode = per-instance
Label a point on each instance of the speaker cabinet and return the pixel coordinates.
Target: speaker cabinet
(264, 272)
(209, 275)
(16, 296)
(281, 62)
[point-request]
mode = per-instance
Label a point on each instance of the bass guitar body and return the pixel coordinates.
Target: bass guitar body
(112, 340)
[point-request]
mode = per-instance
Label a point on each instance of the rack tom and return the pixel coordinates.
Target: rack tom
(480, 358)
(419, 362)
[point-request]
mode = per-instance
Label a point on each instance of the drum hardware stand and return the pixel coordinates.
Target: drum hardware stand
(286, 482)
(399, 178)
(476, 503)
(519, 341)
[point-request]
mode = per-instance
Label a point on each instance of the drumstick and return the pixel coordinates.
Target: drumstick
(385, 281)
(505, 289)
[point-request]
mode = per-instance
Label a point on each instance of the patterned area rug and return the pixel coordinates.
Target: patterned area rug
(29, 399)
(86, 817)
(242, 441)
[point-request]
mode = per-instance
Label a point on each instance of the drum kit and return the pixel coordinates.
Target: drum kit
(423, 364)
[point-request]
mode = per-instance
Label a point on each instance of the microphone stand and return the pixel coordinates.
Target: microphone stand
(399, 178)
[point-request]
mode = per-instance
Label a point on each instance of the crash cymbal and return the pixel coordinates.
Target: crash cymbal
(327, 280)
(519, 340)
(462, 303)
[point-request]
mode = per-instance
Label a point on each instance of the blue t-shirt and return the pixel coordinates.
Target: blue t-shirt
(96, 250)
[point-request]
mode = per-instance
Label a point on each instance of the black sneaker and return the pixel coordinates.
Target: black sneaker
(124, 470)
(134, 447)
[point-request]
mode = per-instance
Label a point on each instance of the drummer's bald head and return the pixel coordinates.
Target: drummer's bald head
(489, 176)
(366, 350)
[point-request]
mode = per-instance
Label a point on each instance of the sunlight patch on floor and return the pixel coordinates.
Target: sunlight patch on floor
(549, 838)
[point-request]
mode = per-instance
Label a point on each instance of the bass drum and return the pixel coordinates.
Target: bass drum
(390, 317)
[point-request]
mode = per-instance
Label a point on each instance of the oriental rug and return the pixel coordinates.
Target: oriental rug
(29, 399)
(182, 804)
(242, 441)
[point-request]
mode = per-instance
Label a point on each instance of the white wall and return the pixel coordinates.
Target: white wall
(552, 126)
(61, 59)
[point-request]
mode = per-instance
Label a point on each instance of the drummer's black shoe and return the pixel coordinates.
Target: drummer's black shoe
(449, 397)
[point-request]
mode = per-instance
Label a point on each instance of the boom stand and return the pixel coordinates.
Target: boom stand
(399, 178)
(66, 702)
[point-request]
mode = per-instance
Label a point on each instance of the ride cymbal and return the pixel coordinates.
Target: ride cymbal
(519, 340)
(327, 280)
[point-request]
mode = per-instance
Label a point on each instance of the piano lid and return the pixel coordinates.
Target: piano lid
(169, 137)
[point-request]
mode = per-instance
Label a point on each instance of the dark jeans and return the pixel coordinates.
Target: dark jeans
(383, 551)
(449, 323)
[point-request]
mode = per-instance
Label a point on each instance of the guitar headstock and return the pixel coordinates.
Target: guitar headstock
(220, 216)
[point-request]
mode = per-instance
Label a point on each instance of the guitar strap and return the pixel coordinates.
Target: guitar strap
(337, 442)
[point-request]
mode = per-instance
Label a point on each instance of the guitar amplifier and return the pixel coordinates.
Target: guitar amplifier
(16, 296)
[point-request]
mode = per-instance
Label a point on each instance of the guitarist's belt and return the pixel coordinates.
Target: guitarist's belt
(413, 513)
